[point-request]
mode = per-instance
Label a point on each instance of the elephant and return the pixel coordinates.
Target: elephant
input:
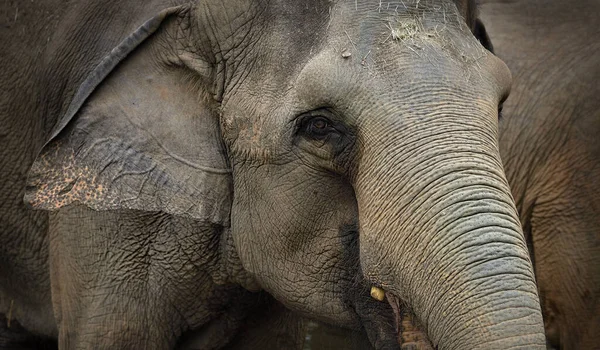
(550, 148)
(170, 167)
(551, 154)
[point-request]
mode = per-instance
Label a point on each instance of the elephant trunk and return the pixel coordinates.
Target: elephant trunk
(442, 235)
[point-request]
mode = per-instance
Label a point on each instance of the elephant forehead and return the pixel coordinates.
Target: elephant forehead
(398, 88)
(403, 21)
(379, 37)
(385, 48)
(386, 39)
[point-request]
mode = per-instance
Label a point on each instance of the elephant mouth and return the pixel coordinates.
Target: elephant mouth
(410, 334)
(389, 322)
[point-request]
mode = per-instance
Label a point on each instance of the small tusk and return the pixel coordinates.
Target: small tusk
(377, 293)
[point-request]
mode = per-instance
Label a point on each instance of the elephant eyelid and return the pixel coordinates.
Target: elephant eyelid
(324, 112)
(323, 115)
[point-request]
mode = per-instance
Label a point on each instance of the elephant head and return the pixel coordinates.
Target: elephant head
(333, 145)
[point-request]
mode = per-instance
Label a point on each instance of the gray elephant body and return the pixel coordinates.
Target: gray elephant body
(550, 148)
(223, 152)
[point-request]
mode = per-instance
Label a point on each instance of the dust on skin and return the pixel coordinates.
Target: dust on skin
(407, 27)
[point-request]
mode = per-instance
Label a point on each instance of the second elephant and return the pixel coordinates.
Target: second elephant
(549, 142)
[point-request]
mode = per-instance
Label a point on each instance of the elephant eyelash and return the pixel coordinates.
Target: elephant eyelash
(322, 114)
(319, 128)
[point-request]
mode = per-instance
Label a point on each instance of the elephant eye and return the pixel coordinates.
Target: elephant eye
(319, 124)
(318, 127)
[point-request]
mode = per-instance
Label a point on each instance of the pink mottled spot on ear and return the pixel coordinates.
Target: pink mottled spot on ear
(62, 182)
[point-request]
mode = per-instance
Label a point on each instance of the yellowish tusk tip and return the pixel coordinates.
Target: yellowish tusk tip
(377, 293)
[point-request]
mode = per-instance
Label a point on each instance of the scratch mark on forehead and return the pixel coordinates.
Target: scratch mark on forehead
(384, 36)
(416, 20)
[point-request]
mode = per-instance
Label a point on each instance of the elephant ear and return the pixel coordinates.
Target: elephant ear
(139, 134)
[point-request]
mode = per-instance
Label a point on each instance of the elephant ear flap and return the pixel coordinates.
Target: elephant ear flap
(139, 134)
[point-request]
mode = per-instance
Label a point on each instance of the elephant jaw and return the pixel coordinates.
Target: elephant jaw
(410, 334)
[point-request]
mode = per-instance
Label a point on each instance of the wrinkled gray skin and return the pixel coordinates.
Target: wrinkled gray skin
(305, 149)
(550, 148)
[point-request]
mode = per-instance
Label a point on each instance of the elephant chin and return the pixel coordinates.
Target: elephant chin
(410, 334)
(389, 323)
